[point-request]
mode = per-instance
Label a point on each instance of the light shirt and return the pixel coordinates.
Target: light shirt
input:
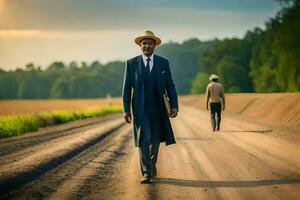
(215, 92)
(151, 62)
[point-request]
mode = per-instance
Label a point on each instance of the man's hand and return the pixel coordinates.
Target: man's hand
(207, 107)
(223, 107)
(127, 117)
(173, 113)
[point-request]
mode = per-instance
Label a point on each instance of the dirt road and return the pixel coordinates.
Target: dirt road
(242, 161)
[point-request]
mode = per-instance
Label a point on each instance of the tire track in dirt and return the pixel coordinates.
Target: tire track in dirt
(230, 164)
(242, 161)
(18, 143)
(24, 167)
(79, 184)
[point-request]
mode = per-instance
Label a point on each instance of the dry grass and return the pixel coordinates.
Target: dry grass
(12, 125)
(10, 107)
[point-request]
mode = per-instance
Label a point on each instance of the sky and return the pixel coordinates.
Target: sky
(44, 31)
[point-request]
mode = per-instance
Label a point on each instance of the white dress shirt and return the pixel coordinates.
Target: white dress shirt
(151, 62)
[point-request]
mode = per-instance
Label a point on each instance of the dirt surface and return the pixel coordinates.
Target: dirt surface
(273, 109)
(245, 160)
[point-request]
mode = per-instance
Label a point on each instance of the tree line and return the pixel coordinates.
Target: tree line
(63, 81)
(264, 60)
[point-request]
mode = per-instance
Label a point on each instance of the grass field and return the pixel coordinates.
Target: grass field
(34, 106)
(23, 116)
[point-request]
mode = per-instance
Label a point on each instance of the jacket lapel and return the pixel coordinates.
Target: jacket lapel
(140, 65)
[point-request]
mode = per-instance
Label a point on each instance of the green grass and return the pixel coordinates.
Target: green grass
(12, 125)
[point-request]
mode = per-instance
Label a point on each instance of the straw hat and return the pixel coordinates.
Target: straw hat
(213, 76)
(147, 34)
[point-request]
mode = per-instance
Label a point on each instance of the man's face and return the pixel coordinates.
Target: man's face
(147, 47)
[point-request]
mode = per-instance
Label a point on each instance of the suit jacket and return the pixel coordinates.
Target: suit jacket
(134, 95)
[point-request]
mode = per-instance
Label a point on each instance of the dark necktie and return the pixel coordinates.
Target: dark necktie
(148, 65)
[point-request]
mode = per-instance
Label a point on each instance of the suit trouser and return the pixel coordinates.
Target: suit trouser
(148, 151)
(215, 108)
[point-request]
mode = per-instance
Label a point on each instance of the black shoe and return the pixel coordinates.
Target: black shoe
(218, 128)
(146, 180)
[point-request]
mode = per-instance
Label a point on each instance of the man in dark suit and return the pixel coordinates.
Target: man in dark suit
(147, 78)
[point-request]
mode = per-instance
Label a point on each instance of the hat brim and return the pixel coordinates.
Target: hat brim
(139, 39)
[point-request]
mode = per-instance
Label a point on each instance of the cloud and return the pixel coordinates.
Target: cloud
(115, 15)
(43, 31)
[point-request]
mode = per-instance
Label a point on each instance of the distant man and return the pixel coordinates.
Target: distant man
(147, 78)
(214, 97)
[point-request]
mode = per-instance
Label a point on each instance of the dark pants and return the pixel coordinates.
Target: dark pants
(149, 145)
(215, 108)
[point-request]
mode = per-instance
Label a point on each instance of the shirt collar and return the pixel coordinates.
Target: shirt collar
(145, 58)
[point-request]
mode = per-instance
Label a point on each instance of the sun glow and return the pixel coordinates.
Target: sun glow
(19, 33)
(2, 3)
